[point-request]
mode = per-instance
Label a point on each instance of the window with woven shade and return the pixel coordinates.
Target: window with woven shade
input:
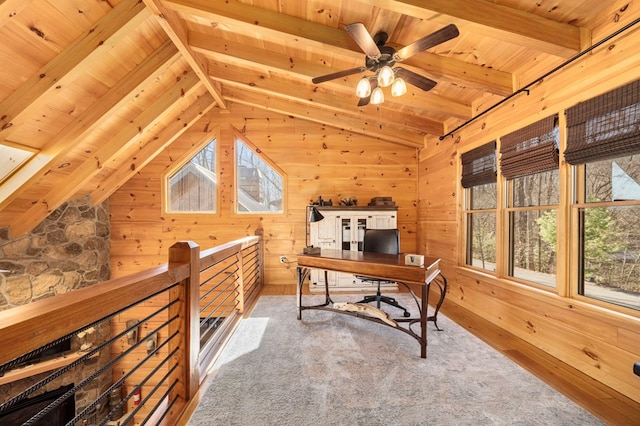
(529, 163)
(603, 145)
(529, 150)
(604, 127)
(480, 195)
(479, 165)
(569, 227)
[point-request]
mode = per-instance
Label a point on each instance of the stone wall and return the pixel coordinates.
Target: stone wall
(68, 250)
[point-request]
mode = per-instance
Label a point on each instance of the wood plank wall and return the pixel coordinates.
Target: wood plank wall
(324, 161)
(601, 342)
(317, 160)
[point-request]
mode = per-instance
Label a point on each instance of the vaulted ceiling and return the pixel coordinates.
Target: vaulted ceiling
(94, 89)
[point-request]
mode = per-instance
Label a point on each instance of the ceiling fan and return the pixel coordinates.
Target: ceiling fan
(380, 59)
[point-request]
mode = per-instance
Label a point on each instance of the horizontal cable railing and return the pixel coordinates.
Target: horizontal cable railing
(229, 277)
(127, 351)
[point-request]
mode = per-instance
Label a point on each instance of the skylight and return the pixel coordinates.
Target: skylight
(13, 157)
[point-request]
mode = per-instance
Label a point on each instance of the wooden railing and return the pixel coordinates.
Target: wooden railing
(139, 344)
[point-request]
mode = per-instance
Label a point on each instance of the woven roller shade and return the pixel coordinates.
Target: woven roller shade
(604, 127)
(479, 165)
(532, 149)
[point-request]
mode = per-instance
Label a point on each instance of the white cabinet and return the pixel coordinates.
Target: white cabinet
(351, 232)
(343, 229)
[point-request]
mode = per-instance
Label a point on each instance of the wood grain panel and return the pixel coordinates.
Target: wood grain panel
(543, 323)
(629, 338)
(601, 342)
(344, 165)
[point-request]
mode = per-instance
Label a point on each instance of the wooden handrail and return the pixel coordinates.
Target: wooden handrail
(218, 253)
(28, 327)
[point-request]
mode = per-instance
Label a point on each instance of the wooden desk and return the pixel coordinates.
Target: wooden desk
(378, 265)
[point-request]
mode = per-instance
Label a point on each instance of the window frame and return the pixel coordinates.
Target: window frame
(509, 212)
(578, 206)
(571, 182)
(186, 157)
(530, 150)
(466, 249)
(468, 213)
(22, 156)
(264, 157)
(598, 128)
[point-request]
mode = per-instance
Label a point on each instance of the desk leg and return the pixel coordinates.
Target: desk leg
(423, 320)
(303, 273)
(327, 297)
(443, 293)
(299, 292)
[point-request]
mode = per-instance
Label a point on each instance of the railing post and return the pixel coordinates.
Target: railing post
(189, 310)
(260, 233)
(240, 291)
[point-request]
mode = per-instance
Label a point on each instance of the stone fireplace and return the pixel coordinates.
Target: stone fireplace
(28, 408)
(67, 251)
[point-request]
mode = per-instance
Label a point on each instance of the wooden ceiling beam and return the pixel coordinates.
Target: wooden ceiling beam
(277, 86)
(472, 76)
(265, 21)
(121, 93)
(78, 176)
(115, 26)
(497, 21)
(307, 33)
(342, 109)
(463, 73)
(172, 25)
(263, 61)
(390, 133)
(153, 146)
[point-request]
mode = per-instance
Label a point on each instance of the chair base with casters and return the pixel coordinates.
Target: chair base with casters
(384, 299)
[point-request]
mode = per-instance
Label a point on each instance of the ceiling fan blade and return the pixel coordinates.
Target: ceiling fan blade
(415, 79)
(427, 42)
(361, 36)
(333, 76)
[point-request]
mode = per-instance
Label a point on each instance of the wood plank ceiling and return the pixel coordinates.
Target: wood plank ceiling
(96, 88)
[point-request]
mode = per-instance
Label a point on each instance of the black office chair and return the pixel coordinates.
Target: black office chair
(381, 241)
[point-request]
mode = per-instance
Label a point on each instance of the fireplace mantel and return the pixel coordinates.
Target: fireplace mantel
(41, 367)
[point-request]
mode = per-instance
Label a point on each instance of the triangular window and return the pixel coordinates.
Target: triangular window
(260, 186)
(193, 188)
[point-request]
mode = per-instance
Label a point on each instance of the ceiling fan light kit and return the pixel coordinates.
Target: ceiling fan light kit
(398, 87)
(377, 97)
(380, 60)
(385, 76)
(364, 88)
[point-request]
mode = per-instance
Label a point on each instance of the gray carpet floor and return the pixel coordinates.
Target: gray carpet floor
(334, 369)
